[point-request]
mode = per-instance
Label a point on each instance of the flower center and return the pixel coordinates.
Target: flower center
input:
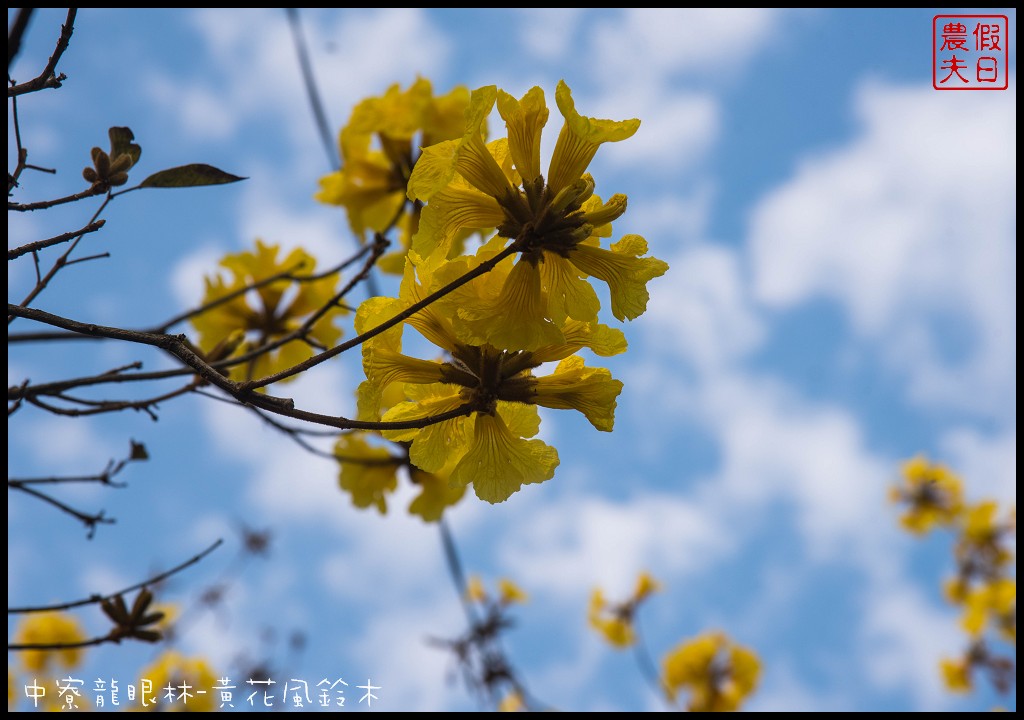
(488, 375)
(538, 221)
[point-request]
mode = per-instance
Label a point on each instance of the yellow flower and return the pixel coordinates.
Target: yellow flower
(982, 549)
(269, 312)
(436, 494)
(475, 589)
(506, 308)
(367, 472)
(513, 702)
(614, 621)
(956, 674)
(718, 673)
(933, 494)
(49, 628)
(184, 675)
(489, 448)
(509, 592)
(379, 146)
(592, 391)
(645, 585)
(996, 600)
(555, 225)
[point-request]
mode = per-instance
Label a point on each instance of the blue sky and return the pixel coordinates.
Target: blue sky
(841, 297)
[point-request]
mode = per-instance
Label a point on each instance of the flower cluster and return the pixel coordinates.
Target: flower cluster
(504, 323)
(984, 586)
(717, 673)
(933, 495)
(521, 301)
(379, 147)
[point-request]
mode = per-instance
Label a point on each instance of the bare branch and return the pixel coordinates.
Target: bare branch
(46, 78)
(64, 237)
(179, 347)
(95, 599)
(90, 521)
(92, 191)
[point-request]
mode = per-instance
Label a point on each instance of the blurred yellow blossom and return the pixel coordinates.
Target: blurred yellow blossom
(932, 493)
(49, 628)
(475, 589)
(268, 312)
(379, 147)
(184, 675)
(614, 621)
(509, 592)
(956, 674)
(995, 601)
(717, 673)
(368, 472)
(513, 702)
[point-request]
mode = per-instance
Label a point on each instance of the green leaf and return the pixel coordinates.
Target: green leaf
(193, 175)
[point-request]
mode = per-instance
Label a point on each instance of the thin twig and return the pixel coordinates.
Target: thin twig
(179, 347)
(481, 269)
(60, 262)
(17, 647)
(46, 78)
(181, 317)
(451, 556)
(90, 521)
(98, 407)
(92, 191)
(311, 88)
(648, 669)
(63, 237)
(95, 599)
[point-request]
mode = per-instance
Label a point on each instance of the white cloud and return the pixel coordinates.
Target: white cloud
(904, 638)
(254, 70)
(700, 310)
(987, 463)
(912, 228)
(575, 543)
(642, 42)
(677, 128)
(548, 33)
(776, 445)
(64, 445)
(319, 229)
(394, 653)
(186, 278)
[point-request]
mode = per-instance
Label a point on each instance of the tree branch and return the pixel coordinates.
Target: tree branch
(64, 237)
(46, 78)
(481, 269)
(96, 599)
(179, 347)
